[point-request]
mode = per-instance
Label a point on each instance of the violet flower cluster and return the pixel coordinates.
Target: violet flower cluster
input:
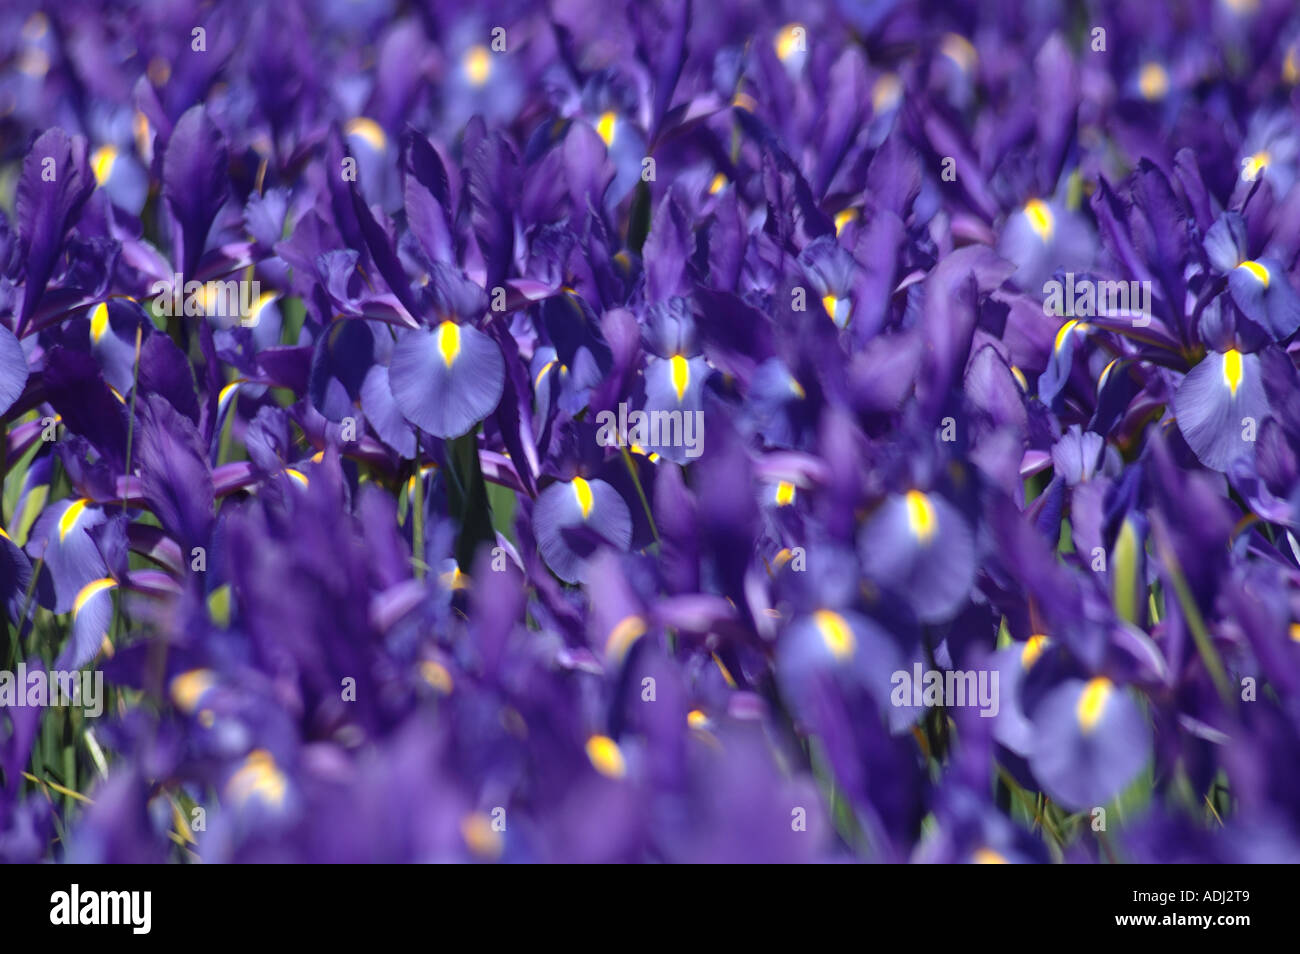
(651, 432)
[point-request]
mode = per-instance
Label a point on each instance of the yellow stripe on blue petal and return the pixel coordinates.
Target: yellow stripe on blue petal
(1153, 82)
(1232, 370)
(886, 93)
(582, 491)
(607, 127)
(785, 493)
(187, 688)
(1032, 649)
(622, 636)
(69, 519)
(449, 342)
(790, 41)
(606, 757)
(1063, 333)
(681, 375)
(258, 778)
(542, 373)
(921, 518)
(98, 321)
(101, 161)
(90, 591)
(368, 130)
(1257, 271)
(1092, 702)
(297, 475)
(478, 65)
(960, 50)
(1040, 219)
(836, 633)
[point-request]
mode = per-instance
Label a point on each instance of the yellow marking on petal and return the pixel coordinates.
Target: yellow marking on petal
(187, 689)
(1254, 165)
(1065, 329)
(843, 218)
(117, 394)
(835, 633)
(960, 50)
(582, 491)
(789, 41)
(368, 130)
(1153, 82)
(449, 342)
(623, 635)
(680, 370)
(606, 756)
(1032, 649)
(255, 313)
(1092, 702)
(89, 591)
(1041, 219)
(5, 535)
(606, 126)
(317, 457)
(159, 71)
(920, 515)
(98, 321)
(34, 62)
(1105, 373)
(70, 516)
(437, 675)
(744, 101)
(697, 719)
(101, 161)
(1291, 67)
(727, 677)
(140, 130)
(480, 837)
(797, 389)
(829, 302)
(718, 183)
(227, 391)
(1232, 370)
(542, 373)
(478, 64)
(35, 26)
(297, 475)
(785, 493)
(1295, 632)
(454, 579)
(1020, 378)
(1257, 271)
(784, 556)
(987, 856)
(257, 777)
(886, 92)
